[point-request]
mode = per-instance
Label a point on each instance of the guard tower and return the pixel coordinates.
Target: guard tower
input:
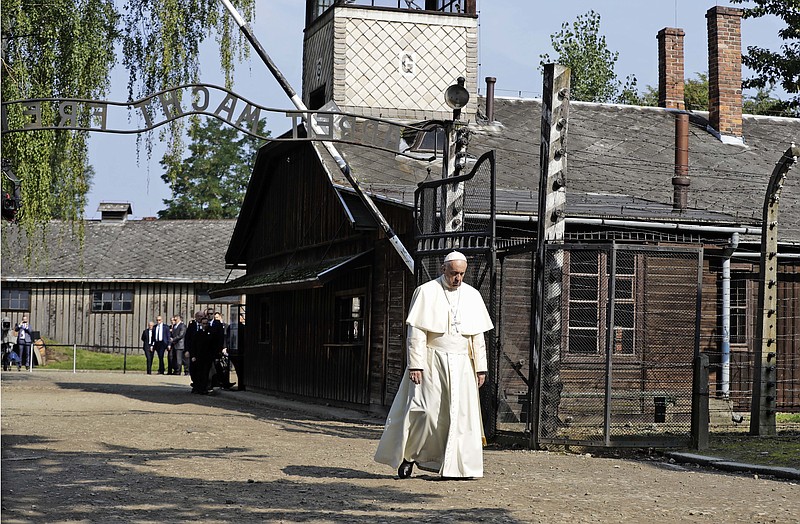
(390, 58)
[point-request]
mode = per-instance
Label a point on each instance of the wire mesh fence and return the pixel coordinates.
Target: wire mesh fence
(731, 347)
(620, 330)
(458, 213)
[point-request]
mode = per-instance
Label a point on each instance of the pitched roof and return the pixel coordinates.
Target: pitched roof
(615, 154)
(151, 250)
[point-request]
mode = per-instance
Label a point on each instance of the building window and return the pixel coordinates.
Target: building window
(625, 304)
(584, 297)
(350, 319)
(588, 295)
(112, 301)
(431, 141)
(264, 322)
(321, 6)
(16, 299)
(738, 334)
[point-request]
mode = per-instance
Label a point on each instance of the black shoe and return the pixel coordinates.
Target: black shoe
(404, 471)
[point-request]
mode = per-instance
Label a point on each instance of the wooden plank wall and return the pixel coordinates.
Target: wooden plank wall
(62, 312)
(299, 359)
(668, 333)
(309, 211)
(710, 310)
(392, 288)
(789, 340)
(515, 274)
(380, 325)
(258, 356)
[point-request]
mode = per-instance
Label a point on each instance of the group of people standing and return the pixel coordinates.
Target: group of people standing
(17, 344)
(197, 349)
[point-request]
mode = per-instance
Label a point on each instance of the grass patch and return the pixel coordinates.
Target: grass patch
(781, 450)
(59, 357)
(787, 418)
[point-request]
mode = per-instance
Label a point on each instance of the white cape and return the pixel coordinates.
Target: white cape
(430, 310)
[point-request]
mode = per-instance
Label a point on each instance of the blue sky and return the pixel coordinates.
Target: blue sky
(511, 38)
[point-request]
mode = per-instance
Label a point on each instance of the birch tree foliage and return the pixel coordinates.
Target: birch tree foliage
(67, 49)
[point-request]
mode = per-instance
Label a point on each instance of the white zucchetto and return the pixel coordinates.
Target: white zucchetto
(454, 255)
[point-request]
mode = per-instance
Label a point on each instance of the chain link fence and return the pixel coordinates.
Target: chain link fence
(619, 333)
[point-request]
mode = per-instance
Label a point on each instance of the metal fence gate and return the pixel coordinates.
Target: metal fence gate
(458, 213)
(619, 336)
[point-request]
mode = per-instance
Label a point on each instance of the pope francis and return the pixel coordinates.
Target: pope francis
(435, 419)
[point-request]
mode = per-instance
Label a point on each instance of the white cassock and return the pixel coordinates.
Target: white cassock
(437, 424)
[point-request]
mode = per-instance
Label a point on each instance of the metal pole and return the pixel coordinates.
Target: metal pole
(124, 359)
(340, 161)
(726, 327)
(609, 353)
(74, 357)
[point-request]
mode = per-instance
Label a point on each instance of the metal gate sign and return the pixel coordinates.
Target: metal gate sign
(329, 124)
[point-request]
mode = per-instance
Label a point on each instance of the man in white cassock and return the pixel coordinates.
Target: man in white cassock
(435, 419)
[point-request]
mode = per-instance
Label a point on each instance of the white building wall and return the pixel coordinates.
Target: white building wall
(393, 64)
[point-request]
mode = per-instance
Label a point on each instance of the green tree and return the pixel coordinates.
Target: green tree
(583, 49)
(695, 97)
(782, 67)
(695, 93)
(66, 49)
(648, 97)
(211, 181)
(763, 103)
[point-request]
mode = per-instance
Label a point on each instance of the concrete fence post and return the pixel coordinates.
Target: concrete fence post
(700, 402)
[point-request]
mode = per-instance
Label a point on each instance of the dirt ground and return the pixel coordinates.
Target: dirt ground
(112, 447)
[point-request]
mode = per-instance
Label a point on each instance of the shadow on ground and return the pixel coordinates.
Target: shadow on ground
(290, 419)
(114, 486)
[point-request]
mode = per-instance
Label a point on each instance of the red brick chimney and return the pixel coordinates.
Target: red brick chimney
(725, 70)
(670, 68)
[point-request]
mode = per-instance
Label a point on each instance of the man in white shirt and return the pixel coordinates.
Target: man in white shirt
(160, 341)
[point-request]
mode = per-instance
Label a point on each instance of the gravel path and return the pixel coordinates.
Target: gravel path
(108, 447)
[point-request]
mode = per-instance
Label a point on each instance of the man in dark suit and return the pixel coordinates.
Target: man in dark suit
(160, 341)
(191, 330)
(222, 370)
(147, 346)
(201, 351)
(222, 366)
(178, 343)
